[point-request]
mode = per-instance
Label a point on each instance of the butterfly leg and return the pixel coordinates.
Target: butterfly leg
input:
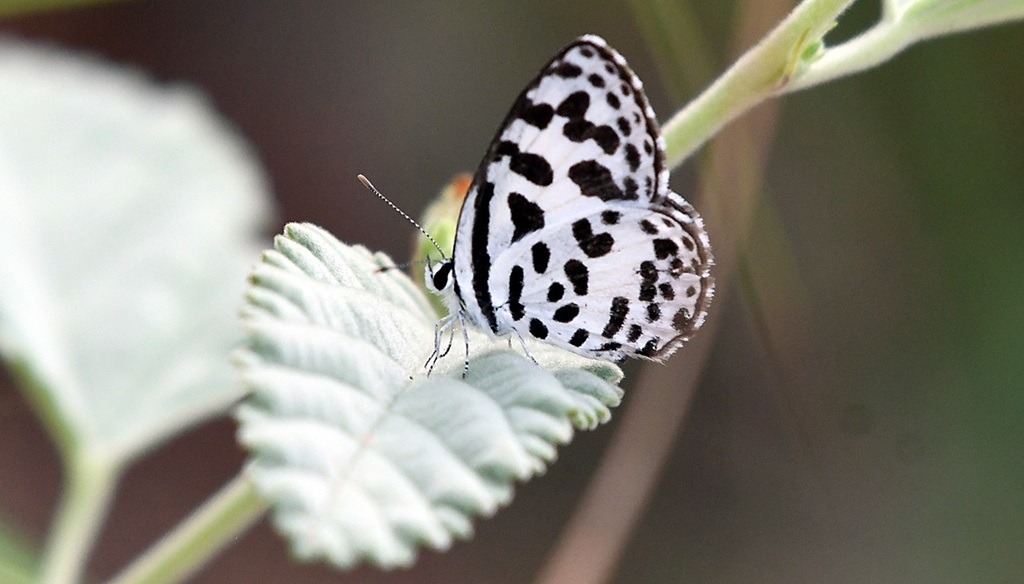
(465, 339)
(440, 327)
(451, 341)
(522, 343)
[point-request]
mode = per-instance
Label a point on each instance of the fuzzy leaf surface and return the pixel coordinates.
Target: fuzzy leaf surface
(128, 216)
(363, 456)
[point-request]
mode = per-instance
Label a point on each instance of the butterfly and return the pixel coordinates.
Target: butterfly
(569, 233)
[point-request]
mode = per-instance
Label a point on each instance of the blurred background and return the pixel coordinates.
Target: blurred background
(860, 416)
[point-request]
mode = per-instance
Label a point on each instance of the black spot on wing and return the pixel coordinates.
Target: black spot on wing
(617, 317)
(634, 333)
(578, 276)
(613, 100)
(607, 138)
(668, 292)
(567, 313)
(594, 245)
(595, 180)
(580, 130)
(533, 167)
(555, 292)
(664, 248)
(624, 126)
(577, 130)
(649, 349)
(567, 70)
(574, 106)
(538, 114)
(677, 267)
(631, 189)
(541, 254)
(537, 329)
(527, 216)
(515, 293)
(596, 80)
(579, 337)
(683, 320)
(648, 279)
(653, 312)
(632, 157)
(610, 217)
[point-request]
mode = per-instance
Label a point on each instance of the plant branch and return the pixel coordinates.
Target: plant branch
(756, 76)
(89, 485)
(193, 542)
(18, 562)
(900, 27)
(792, 57)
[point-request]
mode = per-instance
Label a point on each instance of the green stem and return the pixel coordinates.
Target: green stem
(756, 76)
(18, 562)
(898, 30)
(13, 574)
(772, 67)
(88, 488)
(194, 541)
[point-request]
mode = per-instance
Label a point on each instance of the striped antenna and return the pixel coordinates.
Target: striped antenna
(373, 189)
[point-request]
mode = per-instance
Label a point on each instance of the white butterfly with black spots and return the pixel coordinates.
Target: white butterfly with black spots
(569, 233)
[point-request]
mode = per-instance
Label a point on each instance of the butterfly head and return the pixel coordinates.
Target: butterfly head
(439, 278)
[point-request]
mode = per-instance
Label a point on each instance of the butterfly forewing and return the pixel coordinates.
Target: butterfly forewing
(569, 233)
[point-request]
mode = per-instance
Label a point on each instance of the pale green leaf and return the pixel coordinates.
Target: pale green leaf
(365, 457)
(17, 563)
(927, 18)
(127, 220)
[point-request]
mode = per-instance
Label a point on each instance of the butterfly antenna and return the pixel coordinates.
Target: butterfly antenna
(403, 265)
(369, 186)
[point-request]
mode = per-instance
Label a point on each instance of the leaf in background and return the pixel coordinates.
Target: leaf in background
(364, 457)
(127, 221)
(13, 7)
(17, 563)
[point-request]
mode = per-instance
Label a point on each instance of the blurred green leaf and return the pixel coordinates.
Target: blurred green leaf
(17, 563)
(127, 220)
(13, 7)
(362, 455)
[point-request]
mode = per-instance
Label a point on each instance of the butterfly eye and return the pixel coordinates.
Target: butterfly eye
(441, 275)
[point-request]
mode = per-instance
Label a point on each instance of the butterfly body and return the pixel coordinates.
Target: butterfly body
(569, 233)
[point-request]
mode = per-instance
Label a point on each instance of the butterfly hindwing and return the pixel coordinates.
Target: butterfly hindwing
(643, 298)
(569, 233)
